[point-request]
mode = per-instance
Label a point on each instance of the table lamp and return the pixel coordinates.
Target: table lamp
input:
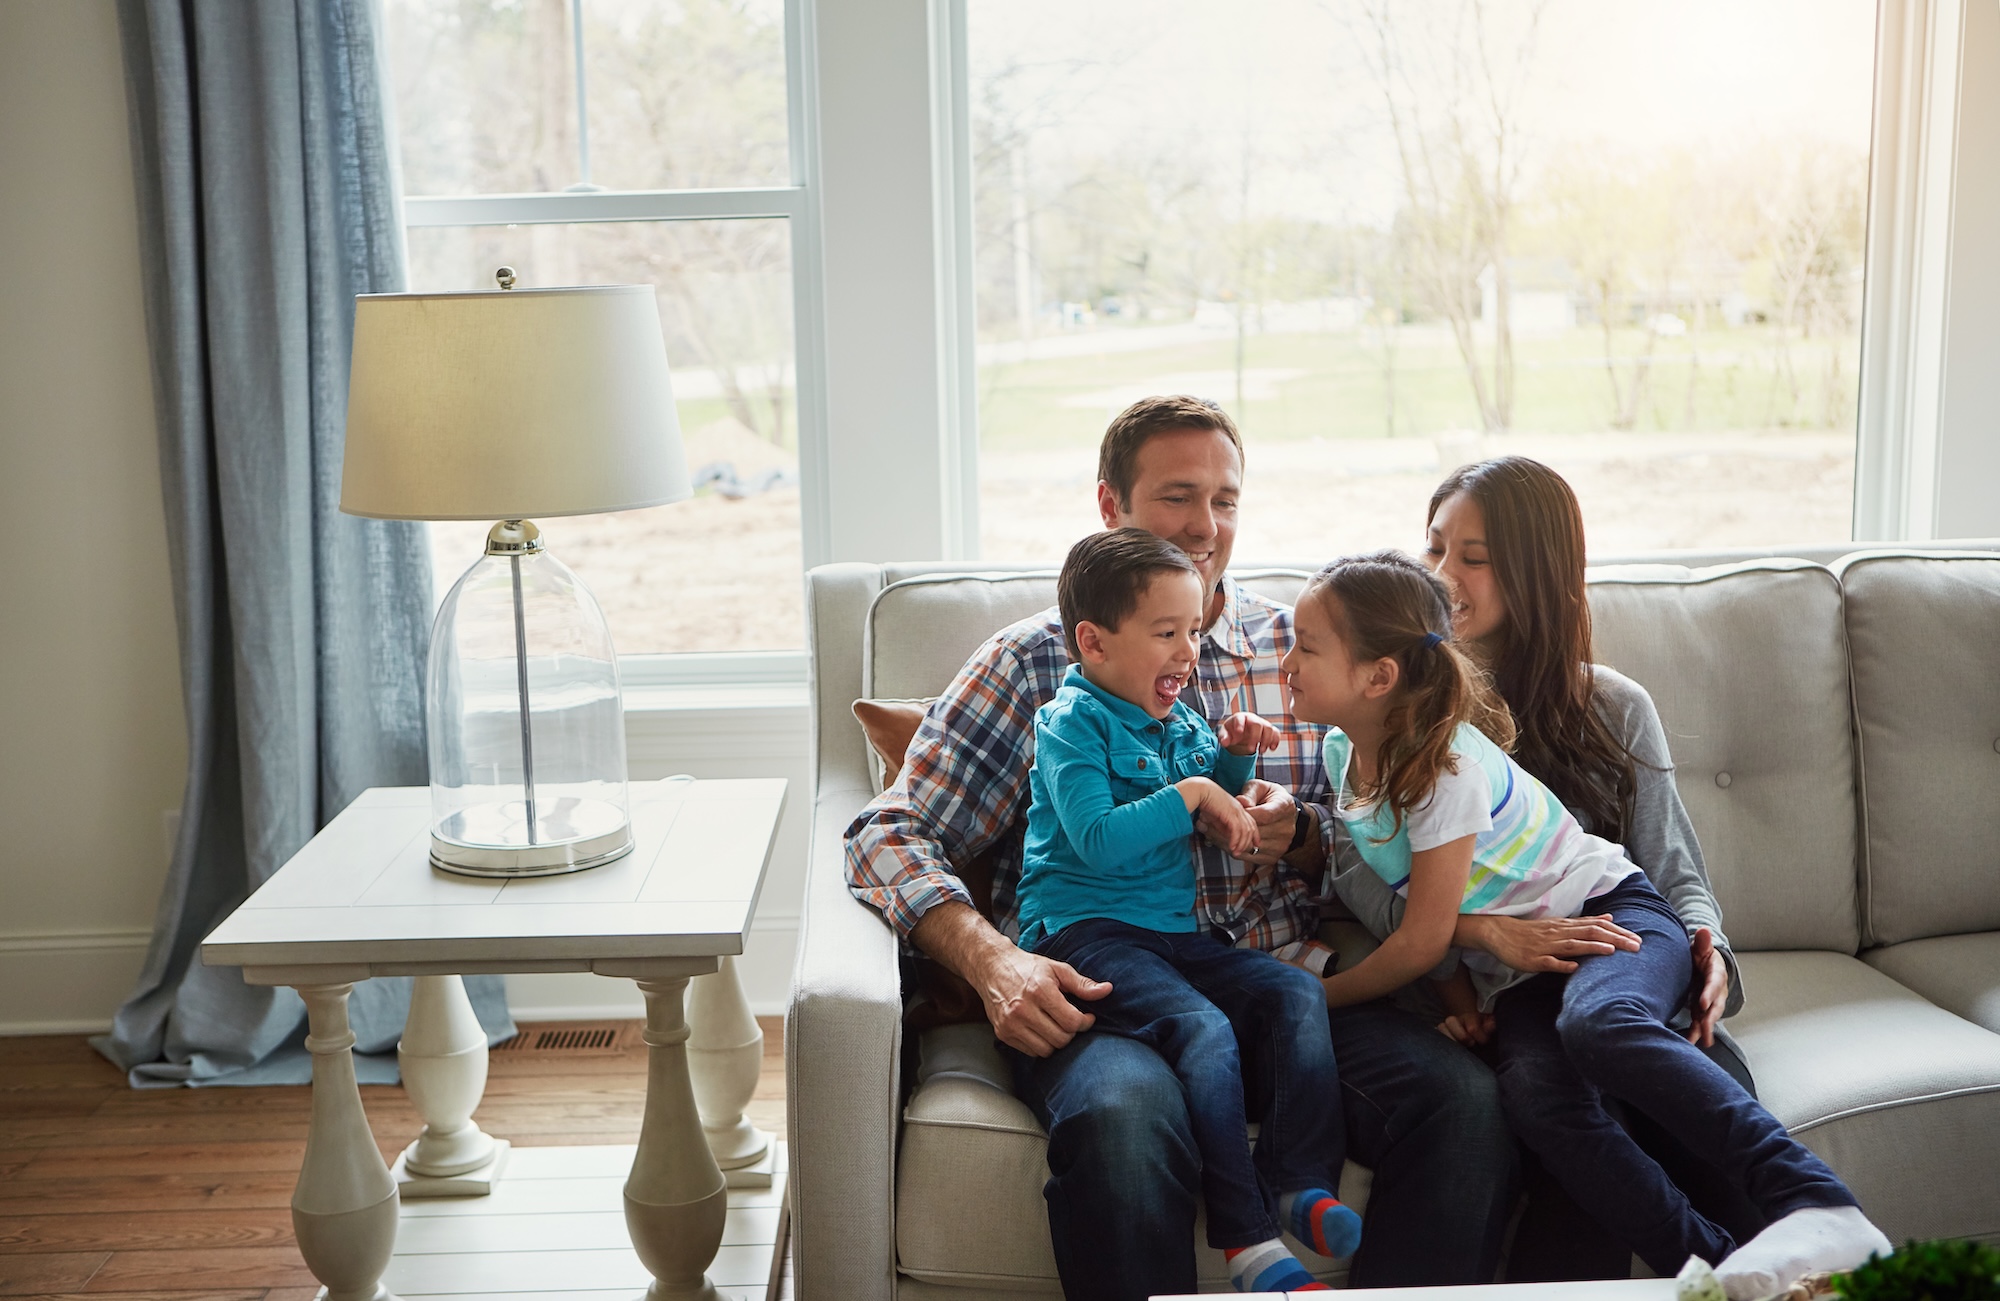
(510, 405)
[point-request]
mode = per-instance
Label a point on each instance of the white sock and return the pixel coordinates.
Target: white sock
(1820, 1238)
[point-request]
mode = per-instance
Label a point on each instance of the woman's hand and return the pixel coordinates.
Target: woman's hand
(1468, 1028)
(1709, 993)
(1546, 944)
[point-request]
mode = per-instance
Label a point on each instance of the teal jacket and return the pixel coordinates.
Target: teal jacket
(1107, 831)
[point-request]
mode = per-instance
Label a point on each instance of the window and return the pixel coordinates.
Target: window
(1619, 237)
(652, 150)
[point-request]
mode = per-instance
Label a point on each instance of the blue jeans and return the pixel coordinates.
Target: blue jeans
(1608, 1036)
(1125, 1175)
(1191, 999)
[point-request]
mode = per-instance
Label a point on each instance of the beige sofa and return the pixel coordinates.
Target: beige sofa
(1835, 721)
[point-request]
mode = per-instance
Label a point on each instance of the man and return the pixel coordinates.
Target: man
(1421, 1112)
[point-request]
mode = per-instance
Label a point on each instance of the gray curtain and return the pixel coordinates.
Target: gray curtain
(267, 200)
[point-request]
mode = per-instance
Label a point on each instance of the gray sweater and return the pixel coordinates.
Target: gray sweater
(1660, 839)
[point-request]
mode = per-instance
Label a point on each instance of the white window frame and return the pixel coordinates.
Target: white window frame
(795, 204)
(1927, 445)
(1927, 458)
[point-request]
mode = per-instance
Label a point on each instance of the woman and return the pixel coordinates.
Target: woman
(1507, 536)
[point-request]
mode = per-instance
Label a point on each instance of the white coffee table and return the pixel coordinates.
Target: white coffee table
(362, 900)
(1632, 1289)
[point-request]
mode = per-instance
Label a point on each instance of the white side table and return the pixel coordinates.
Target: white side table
(362, 900)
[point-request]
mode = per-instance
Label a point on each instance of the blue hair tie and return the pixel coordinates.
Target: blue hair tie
(1431, 639)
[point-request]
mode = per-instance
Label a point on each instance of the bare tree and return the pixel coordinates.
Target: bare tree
(1452, 101)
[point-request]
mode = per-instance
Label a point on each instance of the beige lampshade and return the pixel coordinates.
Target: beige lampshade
(510, 404)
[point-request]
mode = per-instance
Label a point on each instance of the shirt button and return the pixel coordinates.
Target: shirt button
(1154, 728)
(1142, 763)
(1722, 780)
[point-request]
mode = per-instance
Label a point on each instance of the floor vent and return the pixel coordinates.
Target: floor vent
(573, 1039)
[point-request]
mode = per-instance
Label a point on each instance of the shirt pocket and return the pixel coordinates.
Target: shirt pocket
(1136, 773)
(1197, 760)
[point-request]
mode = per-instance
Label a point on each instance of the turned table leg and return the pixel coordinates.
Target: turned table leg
(344, 1210)
(675, 1198)
(725, 1056)
(443, 1057)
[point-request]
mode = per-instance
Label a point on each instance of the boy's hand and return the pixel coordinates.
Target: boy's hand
(1468, 1028)
(1247, 734)
(1228, 823)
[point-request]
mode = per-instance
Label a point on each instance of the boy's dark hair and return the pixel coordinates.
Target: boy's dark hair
(1104, 575)
(1118, 454)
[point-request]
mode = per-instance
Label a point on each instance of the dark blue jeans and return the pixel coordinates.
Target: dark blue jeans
(1192, 999)
(1608, 1036)
(1126, 1174)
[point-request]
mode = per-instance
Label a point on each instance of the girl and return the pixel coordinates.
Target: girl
(1440, 812)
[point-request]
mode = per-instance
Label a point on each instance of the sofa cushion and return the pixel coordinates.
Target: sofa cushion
(921, 630)
(967, 1141)
(1748, 666)
(1960, 973)
(1899, 1096)
(1922, 631)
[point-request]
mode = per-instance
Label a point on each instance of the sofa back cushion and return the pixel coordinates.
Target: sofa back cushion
(1924, 632)
(1747, 664)
(922, 629)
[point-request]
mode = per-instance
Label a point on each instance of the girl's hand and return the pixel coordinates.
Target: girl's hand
(1220, 817)
(1468, 1028)
(1547, 944)
(1247, 734)
(1710, 991)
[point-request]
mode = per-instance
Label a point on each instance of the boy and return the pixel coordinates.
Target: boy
(1122, 767)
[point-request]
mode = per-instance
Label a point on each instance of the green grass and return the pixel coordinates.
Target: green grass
(1560, 386)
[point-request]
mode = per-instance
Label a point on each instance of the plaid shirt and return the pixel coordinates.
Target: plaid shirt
(964, 787)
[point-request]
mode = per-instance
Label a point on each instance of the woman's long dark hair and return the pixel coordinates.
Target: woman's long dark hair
(1541, 664)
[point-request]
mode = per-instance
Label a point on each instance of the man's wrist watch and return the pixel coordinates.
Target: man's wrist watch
(1302, 826)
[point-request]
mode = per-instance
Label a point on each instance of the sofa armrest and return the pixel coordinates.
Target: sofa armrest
(843, 1047)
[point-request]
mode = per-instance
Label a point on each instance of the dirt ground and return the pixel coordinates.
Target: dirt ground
(715, 574)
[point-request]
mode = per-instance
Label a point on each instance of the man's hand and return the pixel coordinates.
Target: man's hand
(1548, 944)
(1222, 819)
(1709, 993)
(1273, 811)
(1247, 734)
(1025, 997)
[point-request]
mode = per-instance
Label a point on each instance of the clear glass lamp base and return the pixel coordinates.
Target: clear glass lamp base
(494, 839)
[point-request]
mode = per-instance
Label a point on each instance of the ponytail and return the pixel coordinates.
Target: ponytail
(1387, 606)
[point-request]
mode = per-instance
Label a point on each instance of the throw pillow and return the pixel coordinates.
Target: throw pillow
(890, 726)
(937, 996)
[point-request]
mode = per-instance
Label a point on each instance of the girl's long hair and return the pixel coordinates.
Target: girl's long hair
(1386, 605)
(1542, 661)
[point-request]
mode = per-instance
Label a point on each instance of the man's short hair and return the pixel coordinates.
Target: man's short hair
(1104, 575)
(1130, 429)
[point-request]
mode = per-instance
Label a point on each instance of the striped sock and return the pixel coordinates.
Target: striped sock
(1269, 1267)
(1317, 1218)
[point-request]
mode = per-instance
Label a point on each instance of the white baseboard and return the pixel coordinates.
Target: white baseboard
(67, 983)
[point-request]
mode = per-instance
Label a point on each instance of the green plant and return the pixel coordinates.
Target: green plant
(1926, 1271)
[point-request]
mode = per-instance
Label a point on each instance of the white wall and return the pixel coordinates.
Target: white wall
(92, 748)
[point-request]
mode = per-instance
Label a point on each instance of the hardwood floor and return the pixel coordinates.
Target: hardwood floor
(185, 1194)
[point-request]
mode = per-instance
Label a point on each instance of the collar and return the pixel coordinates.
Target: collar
(1227, 631)
(1123, 710)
